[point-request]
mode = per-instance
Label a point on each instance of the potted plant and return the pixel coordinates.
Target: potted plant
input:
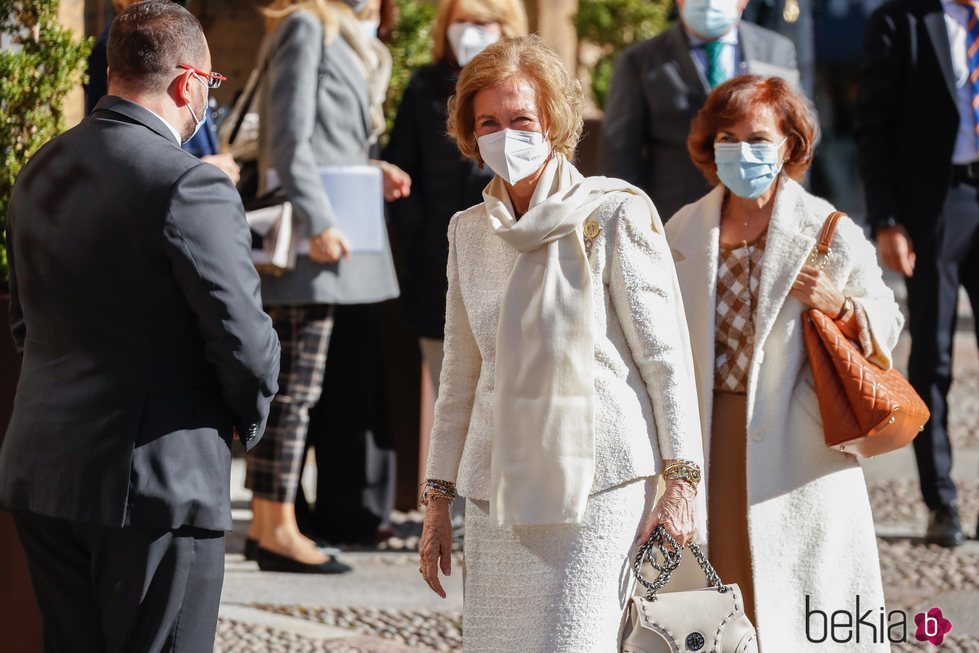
(605, 28)
(41, 62)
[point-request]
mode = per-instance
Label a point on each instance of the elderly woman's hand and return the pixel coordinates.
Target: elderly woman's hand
(435, 547)
(676, 511)
(813, 288)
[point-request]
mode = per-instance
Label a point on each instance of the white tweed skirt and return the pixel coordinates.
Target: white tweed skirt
(553, 589)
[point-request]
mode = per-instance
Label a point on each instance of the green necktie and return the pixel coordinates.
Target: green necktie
(716, 74)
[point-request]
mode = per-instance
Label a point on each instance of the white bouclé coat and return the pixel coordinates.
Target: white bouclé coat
(810, 526)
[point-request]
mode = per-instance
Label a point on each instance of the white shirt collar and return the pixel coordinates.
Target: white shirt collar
(173, 131)
(731, 38)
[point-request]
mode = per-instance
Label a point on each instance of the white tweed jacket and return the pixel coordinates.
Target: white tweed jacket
(646, 409)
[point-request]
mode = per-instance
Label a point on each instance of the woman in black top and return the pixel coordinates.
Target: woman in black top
(442, 182)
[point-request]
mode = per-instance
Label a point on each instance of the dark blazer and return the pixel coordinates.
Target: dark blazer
(657, 89)
(907, 118)
(136, 308)
(443, 183)
(771, 14)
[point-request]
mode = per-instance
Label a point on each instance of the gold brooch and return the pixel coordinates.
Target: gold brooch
(591, 232)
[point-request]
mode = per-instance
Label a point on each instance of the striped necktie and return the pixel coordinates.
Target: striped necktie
(716, 75)
(972, 55)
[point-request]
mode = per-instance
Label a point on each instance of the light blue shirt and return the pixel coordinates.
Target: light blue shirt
(730, 55)
(956, 24)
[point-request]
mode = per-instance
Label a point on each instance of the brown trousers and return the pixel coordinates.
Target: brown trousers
(727, 498)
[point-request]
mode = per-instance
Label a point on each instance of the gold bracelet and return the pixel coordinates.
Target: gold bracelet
(686, 470)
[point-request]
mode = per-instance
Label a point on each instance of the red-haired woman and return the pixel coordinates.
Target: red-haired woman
(789, 518)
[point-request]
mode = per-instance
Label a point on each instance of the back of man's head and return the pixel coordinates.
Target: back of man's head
(149, 40)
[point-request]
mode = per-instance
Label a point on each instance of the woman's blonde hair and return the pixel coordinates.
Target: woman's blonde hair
(326, 10)
(559, 96)
(510, 14)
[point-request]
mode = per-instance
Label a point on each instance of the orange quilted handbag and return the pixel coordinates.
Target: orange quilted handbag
(866, 410)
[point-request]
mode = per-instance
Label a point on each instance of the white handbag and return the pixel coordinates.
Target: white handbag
(274, 240)
(708, 620)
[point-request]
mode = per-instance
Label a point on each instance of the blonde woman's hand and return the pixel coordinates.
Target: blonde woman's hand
(435, 547)
(813, 288)
(675, 511)
(328, 247)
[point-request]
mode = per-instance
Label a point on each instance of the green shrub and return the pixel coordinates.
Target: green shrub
(411, 47)
(40, 64)
(613, 25)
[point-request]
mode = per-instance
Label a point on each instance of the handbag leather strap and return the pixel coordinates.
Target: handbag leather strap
(829, 230)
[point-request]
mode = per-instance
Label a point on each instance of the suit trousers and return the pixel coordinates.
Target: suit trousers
(944, 262)
(123, 590)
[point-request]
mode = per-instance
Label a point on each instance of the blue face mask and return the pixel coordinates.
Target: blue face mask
(198, 123)
(710, 19)
(747, 170)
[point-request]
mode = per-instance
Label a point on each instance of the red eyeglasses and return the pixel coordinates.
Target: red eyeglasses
(213, 79)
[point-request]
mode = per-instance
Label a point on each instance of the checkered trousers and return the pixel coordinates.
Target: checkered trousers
(738, 277)
(274, 464)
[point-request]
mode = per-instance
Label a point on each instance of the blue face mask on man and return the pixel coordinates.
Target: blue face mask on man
(710, 19)
(198, 123)
(748, 169)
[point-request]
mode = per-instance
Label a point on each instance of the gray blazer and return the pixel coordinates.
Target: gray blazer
(656, 91)
(315, 112)
(135, 305)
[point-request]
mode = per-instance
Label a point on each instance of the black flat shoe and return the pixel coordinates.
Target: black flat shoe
(251, 549)
(269, 561)
(945, 527)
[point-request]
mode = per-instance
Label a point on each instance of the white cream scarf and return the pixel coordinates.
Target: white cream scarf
(543, 455)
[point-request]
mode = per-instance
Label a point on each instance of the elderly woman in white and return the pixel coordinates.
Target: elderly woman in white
(568, 384)
(790, 518)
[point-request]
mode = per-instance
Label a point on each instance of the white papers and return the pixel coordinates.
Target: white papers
(357, 196)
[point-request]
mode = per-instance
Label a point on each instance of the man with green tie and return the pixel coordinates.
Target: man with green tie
(660, 84)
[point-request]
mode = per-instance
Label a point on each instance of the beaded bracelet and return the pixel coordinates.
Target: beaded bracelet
(436, 489)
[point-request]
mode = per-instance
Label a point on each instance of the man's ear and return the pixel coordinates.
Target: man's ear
(181, 88)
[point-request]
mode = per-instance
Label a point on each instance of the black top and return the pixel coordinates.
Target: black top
(443, 183)
(135, 306)
(907, 118)
(97, 86)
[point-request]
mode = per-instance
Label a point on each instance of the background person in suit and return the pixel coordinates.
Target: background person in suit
(316, 111)
(659, 85)
(135, 305)
(792, 19)
(918, 144)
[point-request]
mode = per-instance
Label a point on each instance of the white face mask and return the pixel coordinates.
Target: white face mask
(468, 40)
(369, 28)
(514, 154)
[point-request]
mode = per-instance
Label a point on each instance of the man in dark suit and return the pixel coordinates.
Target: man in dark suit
(135, 306)
(659, 85)
(792, 19)
(919, 157)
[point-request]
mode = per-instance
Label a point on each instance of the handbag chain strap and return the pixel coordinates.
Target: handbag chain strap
(824, 244)
(671, 560)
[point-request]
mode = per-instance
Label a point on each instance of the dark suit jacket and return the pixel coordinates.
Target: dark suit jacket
(443, 184)
(656, 91)
(907, 118)
(136, 308)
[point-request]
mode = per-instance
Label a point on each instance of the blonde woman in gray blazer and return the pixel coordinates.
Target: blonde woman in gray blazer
(316, 111)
